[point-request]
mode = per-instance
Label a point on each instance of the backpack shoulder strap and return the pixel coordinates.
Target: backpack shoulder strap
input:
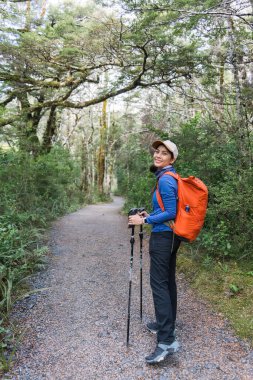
(158, 195)
(174, 175)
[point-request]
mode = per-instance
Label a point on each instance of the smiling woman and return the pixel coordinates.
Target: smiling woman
(162, 157)
(163, 247)
(165, 153)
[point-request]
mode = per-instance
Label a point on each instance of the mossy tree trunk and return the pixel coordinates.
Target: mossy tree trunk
(49, 132)
(27, 128)
(88, 161)
(241, 127)
(102, 149)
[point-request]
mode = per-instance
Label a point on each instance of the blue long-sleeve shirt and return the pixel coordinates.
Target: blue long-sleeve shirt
(168, 190)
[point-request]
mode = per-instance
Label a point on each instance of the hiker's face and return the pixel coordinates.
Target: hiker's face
(162, 157)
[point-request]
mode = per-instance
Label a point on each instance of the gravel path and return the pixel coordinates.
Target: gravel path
(77, 328)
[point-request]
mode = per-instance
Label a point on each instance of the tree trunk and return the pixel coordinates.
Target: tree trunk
(108, 157)
(84, 168)
(88, 161)
(28, 15)
(92, 154)
(50, 130)
(240, 123)
(222, 70)
(28, 139)
(102, 149)
(43, 9)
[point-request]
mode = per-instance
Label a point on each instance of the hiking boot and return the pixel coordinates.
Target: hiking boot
(153, 328)
(161, 352)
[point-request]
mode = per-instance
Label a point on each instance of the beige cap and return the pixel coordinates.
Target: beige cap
(169, 145)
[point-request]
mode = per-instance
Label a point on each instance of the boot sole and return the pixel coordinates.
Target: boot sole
(152, 331)
(161, 358)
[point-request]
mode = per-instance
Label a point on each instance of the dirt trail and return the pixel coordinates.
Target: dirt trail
(76, 330)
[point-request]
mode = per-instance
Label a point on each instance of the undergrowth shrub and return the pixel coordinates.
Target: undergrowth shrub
(228, 229)
(32, 193)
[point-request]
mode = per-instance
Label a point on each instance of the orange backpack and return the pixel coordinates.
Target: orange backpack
(191, 207)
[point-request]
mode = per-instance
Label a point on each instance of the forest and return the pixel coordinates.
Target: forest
(87, 86)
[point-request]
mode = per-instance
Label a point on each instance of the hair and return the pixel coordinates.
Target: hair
(153, 168)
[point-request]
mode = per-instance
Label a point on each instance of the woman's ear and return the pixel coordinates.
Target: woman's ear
(172, 160)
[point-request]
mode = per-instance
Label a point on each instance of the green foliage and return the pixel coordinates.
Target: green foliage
(32, 192)
(234, 288)
(228, 227)
(134, 180)
(228, 231)
(37, 189)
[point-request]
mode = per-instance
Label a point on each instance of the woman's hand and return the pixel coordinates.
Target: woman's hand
(135, 219)
(144, 214)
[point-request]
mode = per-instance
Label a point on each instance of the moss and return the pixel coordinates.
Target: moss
(227, 286)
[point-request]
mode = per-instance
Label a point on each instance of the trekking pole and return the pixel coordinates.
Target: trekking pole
(141, 239)
(130, 282)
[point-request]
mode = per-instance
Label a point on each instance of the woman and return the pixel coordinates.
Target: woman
(163, 246)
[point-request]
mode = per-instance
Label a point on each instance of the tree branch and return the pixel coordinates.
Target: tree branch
(45, 83)
(62, 102)
(203, 13)
(9, 120)
(7, 100)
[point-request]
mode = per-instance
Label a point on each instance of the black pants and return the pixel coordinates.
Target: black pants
(163, 247)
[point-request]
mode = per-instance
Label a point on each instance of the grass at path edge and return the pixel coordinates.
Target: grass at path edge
(228, 286)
